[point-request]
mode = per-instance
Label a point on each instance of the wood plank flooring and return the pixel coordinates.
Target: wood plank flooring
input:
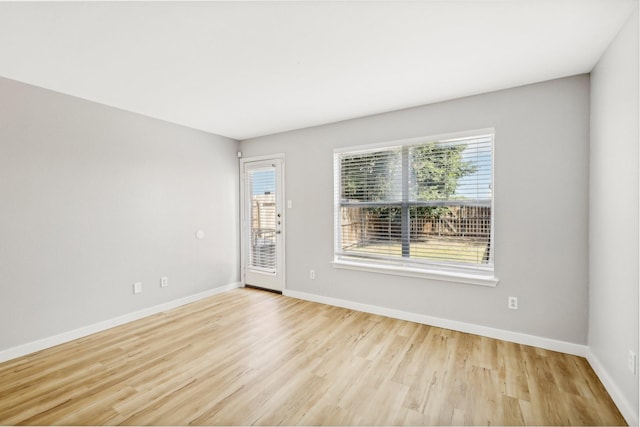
(252, 357)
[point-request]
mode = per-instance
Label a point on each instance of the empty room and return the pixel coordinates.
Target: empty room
(319, 212)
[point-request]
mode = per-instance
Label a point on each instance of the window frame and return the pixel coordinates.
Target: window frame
(431, 270)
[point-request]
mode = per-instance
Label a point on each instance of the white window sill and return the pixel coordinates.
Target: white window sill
(449, 276)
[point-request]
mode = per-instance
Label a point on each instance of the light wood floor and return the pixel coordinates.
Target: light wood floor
(253, 357)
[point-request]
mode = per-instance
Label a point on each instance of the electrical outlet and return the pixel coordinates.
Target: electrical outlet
(137, 288)
(312, 274)
(164, 282)
(632, 362)
(513, 303)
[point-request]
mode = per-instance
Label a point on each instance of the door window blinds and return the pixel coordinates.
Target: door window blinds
(262, 188)
(426, 205)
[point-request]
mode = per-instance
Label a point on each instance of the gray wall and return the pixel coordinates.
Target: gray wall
(94, 199)
(613, 266)
(541, 165)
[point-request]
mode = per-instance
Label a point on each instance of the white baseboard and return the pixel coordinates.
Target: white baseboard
(501, 334)
(627, 410)
(625, 407)
(64, 337)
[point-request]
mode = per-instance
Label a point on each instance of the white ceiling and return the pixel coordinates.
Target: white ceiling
(245, 69)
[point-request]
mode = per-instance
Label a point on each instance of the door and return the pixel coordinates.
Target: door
(263, 222)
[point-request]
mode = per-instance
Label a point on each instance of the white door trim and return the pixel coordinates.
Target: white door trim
(243, 230)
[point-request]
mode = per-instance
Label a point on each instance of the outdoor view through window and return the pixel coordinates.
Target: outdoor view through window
(426, 204)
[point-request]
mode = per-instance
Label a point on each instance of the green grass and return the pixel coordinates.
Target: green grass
(453, 250)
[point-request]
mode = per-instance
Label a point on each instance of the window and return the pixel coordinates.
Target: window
(421, 205)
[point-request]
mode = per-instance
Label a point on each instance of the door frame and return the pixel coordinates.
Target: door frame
(245, 234)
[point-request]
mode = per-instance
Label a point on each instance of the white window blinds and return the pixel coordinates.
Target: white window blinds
(426, 204)
(262, 187)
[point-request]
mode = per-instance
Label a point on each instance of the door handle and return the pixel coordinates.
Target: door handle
(278, 232)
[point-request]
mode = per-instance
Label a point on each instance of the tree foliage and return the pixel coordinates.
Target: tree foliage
(437, 169)
(368, 177)
(434, 171)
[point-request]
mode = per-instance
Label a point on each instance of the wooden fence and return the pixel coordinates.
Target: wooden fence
(361, 226)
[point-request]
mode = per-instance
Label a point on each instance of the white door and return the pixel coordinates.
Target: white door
(263, 222)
